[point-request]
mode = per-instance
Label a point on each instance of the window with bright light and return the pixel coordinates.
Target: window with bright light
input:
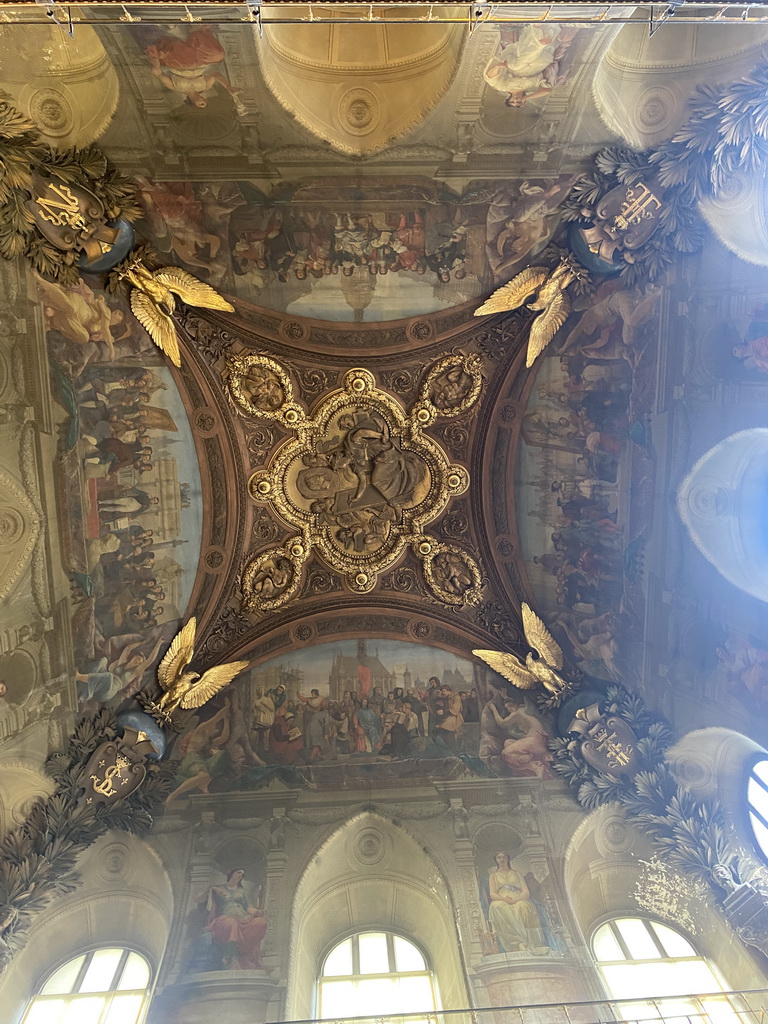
(655, 973)
(105, 986)
(375, 972)
(757, 804)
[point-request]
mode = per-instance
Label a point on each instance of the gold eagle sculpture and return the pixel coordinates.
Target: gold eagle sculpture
(542, 665)
(184, 689)
(549, 299)
(153, 300)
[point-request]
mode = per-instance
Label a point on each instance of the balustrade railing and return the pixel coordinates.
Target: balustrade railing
(744, 1007)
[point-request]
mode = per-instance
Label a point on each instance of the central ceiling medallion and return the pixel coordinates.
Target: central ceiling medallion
(359, 481)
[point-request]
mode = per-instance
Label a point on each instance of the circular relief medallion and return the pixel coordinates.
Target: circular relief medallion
(52, 112)
(369, 846)
(11, 526)
(656, 108)
(359, 111)
(205, 421)
(359, 481)
(214, 559)
(294, 330)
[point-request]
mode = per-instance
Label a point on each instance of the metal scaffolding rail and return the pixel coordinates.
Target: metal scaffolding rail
(743, 1007)
(282, 12)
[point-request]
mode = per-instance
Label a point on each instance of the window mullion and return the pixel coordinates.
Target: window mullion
(391, 953)
(355, 956)
(756, 778)
(82, 972)
(656, 940)
(119, 970)
(620, 939)
(105, 1005)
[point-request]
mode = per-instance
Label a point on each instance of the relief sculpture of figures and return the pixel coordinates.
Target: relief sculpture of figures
(360, 479)
(153, 299)
(549, 299)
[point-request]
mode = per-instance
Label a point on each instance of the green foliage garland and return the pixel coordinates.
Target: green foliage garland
(23, 153)
(38, 859)
(680, 227)
(727, 131)
(691, 833)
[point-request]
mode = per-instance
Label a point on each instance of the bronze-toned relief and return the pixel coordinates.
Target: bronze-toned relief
(359, 481)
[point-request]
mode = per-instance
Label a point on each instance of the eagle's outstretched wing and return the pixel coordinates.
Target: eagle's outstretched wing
(540, 639)
(190, 290)
(510, 667)
(157, 324)
(178, 655)
(511, 296)
(546, 326)
(211, 682)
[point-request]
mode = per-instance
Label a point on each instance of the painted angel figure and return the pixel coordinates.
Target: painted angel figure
(186, 66)
(78, 313)
(528, 66)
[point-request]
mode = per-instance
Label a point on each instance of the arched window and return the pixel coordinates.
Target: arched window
(375, 971)
(654, 964)
(757, 804)
(105, 986)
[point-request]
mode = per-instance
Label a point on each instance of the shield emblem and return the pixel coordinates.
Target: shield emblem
(610, 746)
(630, 213)
(71, 217)
(116, 768)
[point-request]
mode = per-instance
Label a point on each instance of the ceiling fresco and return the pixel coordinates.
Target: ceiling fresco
(351, 480)
(322, 464)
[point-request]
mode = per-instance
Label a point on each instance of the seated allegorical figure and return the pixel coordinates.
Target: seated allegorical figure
(511, 912)
(236, 928)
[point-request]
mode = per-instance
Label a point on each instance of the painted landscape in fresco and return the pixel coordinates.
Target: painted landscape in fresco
(129, 495)
(337, 252)
(355, 703)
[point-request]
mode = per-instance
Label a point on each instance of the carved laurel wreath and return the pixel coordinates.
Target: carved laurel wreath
(37, 859)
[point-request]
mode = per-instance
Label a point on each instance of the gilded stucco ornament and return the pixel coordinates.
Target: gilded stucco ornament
(60, 208)
(182, 689)
(153, 295)
(547, 291)
(68, 211)
(543, 665)
(359, 481)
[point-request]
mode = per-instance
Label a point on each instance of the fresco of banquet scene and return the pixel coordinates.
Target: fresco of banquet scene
(337, 252)
(361, 702)
(585, 448)
(129, 497)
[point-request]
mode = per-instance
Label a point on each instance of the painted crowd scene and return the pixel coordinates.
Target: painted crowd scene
(362, 703)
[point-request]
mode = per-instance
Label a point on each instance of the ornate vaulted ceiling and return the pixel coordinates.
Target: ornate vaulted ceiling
(351, 461)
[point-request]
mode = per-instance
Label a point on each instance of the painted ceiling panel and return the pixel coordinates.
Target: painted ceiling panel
(349, 468)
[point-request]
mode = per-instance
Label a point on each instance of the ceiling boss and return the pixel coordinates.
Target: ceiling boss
(359, 481)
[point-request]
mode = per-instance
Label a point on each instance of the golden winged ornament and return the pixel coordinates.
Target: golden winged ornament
(184, 689)
(550, 300)
(543, 664)
(153, 300)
